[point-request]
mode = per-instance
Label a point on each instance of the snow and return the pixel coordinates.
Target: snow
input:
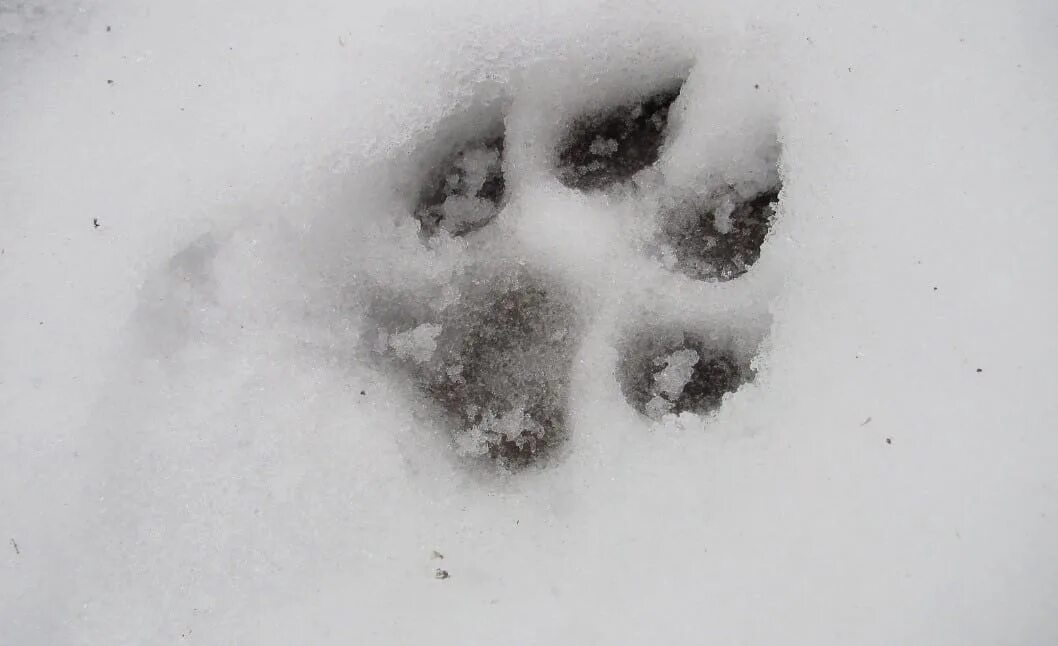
(418, 344)
(239, 371)
(676, 373)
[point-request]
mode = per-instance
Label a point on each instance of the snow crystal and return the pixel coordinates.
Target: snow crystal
(677, 371)
(417, 344)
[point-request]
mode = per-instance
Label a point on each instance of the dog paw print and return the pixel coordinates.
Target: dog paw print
(490, 341)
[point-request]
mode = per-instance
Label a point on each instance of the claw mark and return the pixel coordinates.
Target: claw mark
(15, 545)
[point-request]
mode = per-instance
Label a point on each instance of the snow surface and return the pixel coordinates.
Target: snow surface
(207, 249)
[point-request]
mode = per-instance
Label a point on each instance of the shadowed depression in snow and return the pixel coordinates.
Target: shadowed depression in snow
(496, 360)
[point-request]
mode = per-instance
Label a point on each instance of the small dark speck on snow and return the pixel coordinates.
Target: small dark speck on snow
(980, 370)
(110, 81)
(95, 223)
(108, 27)
(15, 545)
(888, 440)
(363, 392)
(440, 574)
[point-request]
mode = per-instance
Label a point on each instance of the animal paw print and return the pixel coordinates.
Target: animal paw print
(490, 343)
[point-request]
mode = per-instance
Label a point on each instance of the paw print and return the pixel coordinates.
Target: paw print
(490, 340)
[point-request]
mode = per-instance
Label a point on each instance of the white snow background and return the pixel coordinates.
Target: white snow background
(185, 455)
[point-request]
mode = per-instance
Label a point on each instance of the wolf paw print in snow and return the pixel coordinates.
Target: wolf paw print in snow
(490, 342)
